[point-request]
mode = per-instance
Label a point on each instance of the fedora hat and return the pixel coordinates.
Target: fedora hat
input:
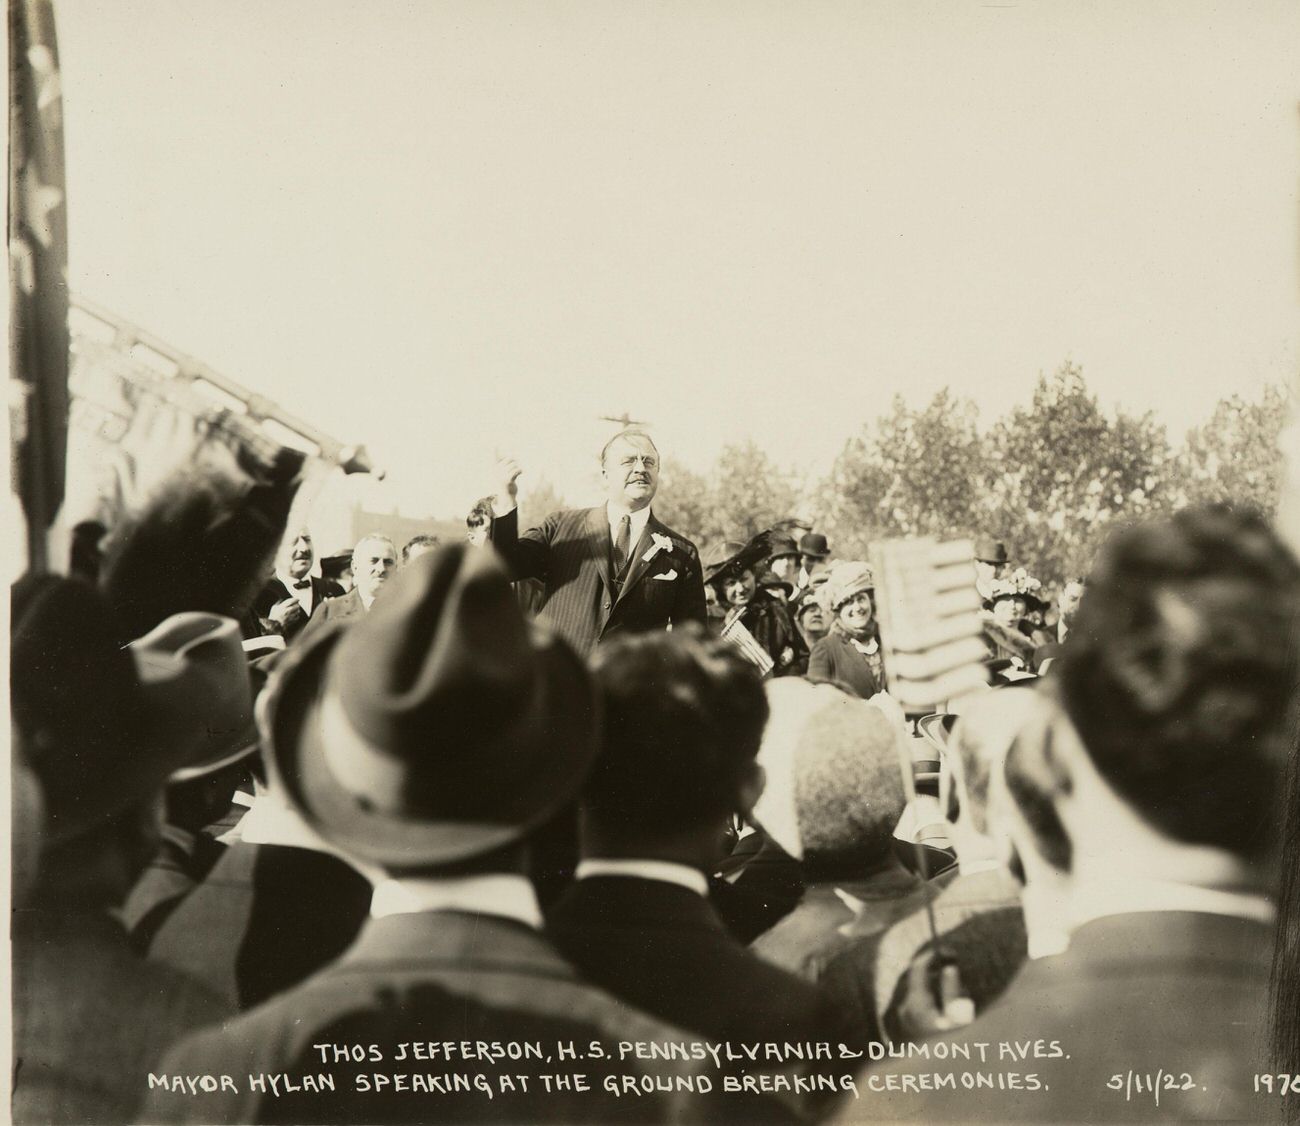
(439, 727)
(198, 690)
(814, 545)
(98, 734)
(989, 550)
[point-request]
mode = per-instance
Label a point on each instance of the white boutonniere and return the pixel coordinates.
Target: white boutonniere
(661, 543)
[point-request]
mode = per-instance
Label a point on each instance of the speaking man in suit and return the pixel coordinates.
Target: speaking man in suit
(290, 598)
(366, 729)
(606, 570)
(1159, 759)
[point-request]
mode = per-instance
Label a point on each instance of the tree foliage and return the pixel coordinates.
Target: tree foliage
(538, 502)
(1051, 478)
(745, 492)
(908, 475)
(1234, 456)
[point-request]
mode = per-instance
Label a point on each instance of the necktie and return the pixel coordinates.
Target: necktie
(302, 584)
(622, 544)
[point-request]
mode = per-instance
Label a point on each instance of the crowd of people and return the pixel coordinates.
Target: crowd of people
(579, 824)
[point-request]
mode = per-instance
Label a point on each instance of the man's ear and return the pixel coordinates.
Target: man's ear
(751, 787)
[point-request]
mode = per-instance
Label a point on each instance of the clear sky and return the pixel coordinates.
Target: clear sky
(452, 229)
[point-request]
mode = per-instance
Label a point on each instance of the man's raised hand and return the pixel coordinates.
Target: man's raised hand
(504, 499)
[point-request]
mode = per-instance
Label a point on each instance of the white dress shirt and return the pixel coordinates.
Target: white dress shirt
(304, 596)
(506, 894)
(665, 871)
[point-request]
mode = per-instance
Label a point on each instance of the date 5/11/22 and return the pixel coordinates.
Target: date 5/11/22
(1143, 1083)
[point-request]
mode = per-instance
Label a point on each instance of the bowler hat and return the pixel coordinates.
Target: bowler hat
(989, 550)
(814, 545)
(439, 727)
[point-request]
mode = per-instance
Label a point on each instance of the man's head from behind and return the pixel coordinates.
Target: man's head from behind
(419, 545)
(437, 731)
(1179, 670)
(374, 562)
(629, 468)
(683, 719)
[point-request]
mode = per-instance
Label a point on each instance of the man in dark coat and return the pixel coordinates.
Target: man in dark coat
(370, 742)
(374, 563)
(607, 570)
(683, 720)
(294, 594)
(1160, 754)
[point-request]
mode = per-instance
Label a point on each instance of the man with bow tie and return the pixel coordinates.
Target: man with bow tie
(294, 594)
(611, 569)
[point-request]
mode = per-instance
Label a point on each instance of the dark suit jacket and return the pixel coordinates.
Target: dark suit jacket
(263, 919)
(90, 1018)
(424, 979)
(754, 887)
(344, 607)
(275, 591)
(1179, 995)
(584, 602)
(834, 658)
(664, 949)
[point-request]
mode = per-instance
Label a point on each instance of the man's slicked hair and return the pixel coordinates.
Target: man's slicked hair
(631, 432)
(684, 716)
(1178, 673)
(422, 540)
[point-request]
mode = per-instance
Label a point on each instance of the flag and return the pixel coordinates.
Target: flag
(750, 649)
(38, 263)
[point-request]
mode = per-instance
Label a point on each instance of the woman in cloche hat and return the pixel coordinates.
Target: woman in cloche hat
(850, 652)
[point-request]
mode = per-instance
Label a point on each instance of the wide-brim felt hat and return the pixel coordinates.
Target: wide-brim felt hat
(198, 690)
(727, 556)
(102, 726)
(439, 727)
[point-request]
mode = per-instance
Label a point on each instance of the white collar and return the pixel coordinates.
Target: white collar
(636, 521)
(271, 820)
(1134, 895)
(665, 871)
(507, 894)
(867, 647)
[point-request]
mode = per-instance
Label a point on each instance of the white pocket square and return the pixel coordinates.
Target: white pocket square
(666, 576)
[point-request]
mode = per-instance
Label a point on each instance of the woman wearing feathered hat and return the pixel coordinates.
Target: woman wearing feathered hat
(850, 653)
(733, 570)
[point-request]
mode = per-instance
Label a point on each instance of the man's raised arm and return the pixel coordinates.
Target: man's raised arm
(527, 556)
